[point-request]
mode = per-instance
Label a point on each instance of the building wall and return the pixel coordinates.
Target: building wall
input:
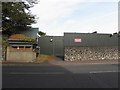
(32, 32)
(90, 39)
(20, 55)
(93, 46)
(91, 53)
(51, 45)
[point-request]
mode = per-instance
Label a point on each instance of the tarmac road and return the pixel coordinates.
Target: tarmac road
(47, 75)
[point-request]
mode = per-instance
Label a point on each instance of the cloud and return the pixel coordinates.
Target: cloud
(52, 10)
(58, 16)
(102, 24)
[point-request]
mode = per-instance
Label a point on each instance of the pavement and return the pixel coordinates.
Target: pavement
(61, 62)
(58, 61)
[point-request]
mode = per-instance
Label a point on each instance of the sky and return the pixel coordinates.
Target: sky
(81, 16)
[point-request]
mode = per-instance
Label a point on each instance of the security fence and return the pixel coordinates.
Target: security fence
(81, 46)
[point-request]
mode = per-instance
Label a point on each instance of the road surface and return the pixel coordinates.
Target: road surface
(48, 75)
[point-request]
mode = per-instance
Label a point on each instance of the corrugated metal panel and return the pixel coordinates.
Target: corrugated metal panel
(90, 39)
(32, 32)
(54, 47)
(46, 47)
(58, 45)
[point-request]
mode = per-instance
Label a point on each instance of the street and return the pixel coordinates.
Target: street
(47, 75)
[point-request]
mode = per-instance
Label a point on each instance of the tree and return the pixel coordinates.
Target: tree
(41, 33)
(16, 15)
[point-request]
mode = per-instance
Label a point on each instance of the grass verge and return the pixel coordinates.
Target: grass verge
(42, 58)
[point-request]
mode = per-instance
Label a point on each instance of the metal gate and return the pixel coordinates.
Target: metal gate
(51, 45)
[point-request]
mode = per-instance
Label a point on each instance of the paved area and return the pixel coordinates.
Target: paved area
(58, 61)
(55, 74)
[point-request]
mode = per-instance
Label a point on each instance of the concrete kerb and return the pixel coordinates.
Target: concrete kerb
(59, 62)
(84, 62)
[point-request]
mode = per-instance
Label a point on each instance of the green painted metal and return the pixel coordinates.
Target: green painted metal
(51, 45)
(90, 39)
(54, 45)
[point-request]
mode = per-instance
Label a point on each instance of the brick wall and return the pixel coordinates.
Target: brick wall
(90, 53)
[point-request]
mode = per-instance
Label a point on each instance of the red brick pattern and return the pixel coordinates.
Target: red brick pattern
(17, 37)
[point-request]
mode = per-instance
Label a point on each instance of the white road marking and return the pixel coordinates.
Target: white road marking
(102, 71)
(36, 73)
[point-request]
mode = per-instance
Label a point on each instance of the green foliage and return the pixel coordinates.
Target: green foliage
(27, 39)
(43, 58)
(41, 33)
(4, 42)
(16, 15)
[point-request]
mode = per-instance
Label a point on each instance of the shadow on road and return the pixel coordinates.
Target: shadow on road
(46, 75)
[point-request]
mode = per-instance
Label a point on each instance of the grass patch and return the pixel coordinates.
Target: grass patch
(42, 58)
